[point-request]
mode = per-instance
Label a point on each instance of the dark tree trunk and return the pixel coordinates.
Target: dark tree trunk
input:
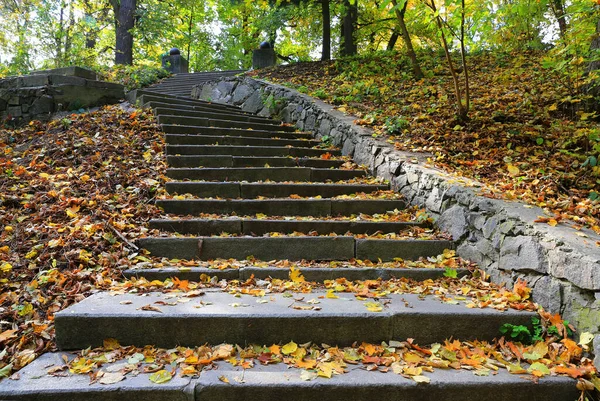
(392, 42)
(326, 16)
(410, 51)
(595, 48)
(124, 20)
(348, 47)
(559, 12)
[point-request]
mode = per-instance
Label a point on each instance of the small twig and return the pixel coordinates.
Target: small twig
(129, 243)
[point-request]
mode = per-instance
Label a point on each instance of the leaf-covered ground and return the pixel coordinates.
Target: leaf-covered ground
(73, 192)
(522, 139)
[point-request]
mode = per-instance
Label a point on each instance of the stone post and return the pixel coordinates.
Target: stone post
(174, 62)
(264, 56)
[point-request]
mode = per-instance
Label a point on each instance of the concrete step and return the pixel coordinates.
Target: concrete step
(279, 207)
(275, 382)
(249, 161)
(263, 151)
(205, 108)
(224, 318)
(174, 139)
(206, 122)
(225, 131)
(311, 274)
(210, 114)
(148, 96)
(278, 382)
(252, 190)
(248, 226)
(36, 384)
(291, 248)
(264, 173)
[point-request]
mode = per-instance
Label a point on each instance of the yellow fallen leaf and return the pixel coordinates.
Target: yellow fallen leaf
(289, 348)
(330, 294)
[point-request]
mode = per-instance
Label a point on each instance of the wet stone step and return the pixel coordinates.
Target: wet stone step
(252, 190)
(263, 174)
(173, 150)
(264, 226)
(292, 248)
(280, 207)
(311, 274)
(249, 161)
(209, 122)
(219, 131)
(174, 139)
(218, 317)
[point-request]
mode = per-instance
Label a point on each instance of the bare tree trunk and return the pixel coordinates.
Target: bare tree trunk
(462, 110)
(558, 8)
(326, 16)
(392, 42)
(349, 22)
(124, 20)
(410, 51)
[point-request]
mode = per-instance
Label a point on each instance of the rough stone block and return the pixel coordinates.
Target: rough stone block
(454, 221)
(522, 253)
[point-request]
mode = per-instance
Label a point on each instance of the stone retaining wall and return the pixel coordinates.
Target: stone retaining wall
(561, 266)
(39, 95)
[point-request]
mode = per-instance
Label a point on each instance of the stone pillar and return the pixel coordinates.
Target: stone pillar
(262, 58)
(174, 62)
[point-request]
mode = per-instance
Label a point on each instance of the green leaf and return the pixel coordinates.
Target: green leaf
(162, 376)
(5, 371)
(450, 273)
(539, 141)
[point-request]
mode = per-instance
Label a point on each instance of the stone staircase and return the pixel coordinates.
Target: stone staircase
(261, 177)
(182, 84)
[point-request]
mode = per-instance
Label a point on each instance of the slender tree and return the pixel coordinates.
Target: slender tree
(400, 13)
(326, 17)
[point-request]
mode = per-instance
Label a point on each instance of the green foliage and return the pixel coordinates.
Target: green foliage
(134, 77)
(395, 125)
(518, 333)
(450, 272)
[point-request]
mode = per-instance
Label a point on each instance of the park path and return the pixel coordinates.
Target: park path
(249, 176)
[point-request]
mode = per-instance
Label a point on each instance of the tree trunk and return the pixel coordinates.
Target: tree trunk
(410, 51)
(349, 22)
(124, 21)
(392, 42)
(326, 16)
(595, 48)
(558, 8)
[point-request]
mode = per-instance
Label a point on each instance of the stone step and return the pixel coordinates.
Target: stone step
(264, 173)
(263, 151)
(252, 190)
(311, 274)
(146, 97)
(174, 139)
(206, 122)
(206, 112)
(224, 131)
(206, 108)
(218, 317)
(291, 248)
(207, 227)
(249, 161)
(275, 382)
(278, 382)
(279, 207)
